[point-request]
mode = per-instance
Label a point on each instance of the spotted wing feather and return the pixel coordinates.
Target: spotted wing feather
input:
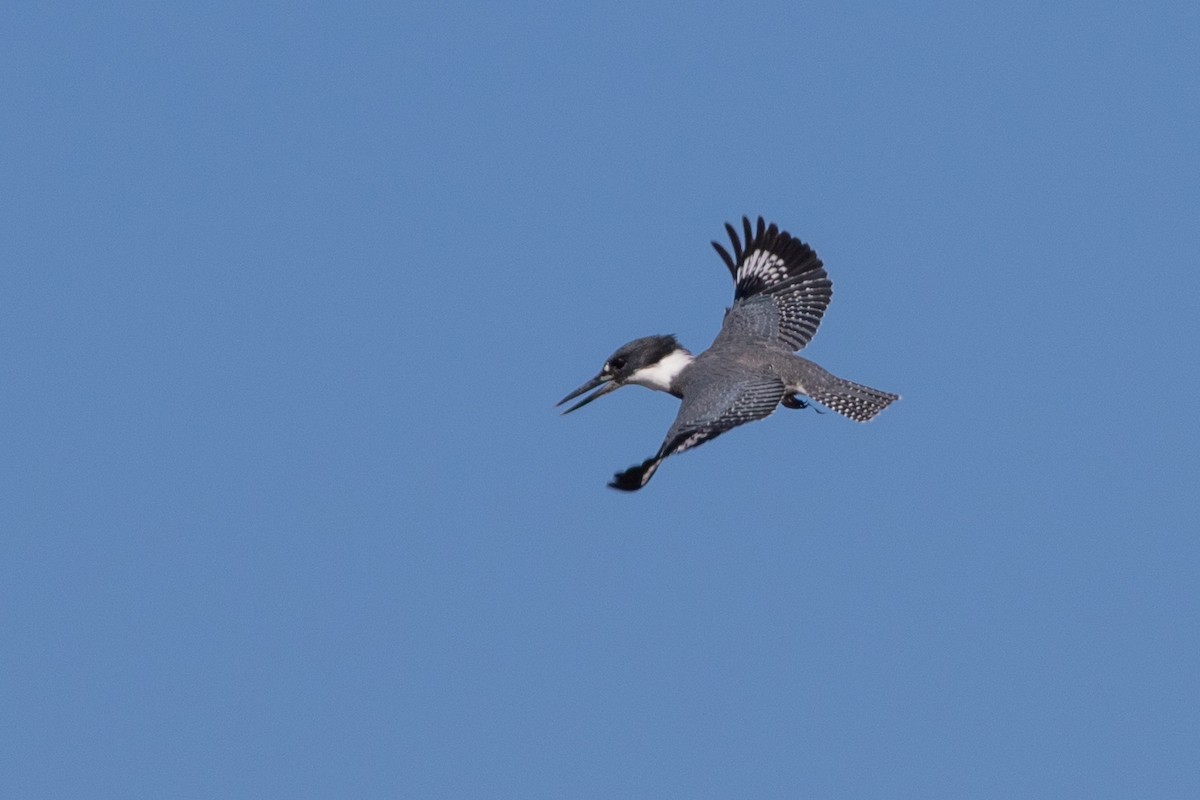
(736, 403)
(773, 264)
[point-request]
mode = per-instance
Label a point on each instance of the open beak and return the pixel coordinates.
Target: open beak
(606, 384)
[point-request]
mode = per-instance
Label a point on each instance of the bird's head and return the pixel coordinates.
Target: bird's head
(652, 361)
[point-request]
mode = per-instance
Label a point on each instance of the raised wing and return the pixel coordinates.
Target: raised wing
(781, 289)
(707, 411)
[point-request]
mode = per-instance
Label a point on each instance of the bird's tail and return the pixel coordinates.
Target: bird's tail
(859, 403)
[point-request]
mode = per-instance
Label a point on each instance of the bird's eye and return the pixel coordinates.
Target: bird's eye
(616, 364)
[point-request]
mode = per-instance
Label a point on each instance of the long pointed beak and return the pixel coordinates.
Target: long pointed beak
(608, 386)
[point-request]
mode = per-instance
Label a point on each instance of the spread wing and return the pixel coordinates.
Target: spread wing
(707, 411)
(781, 290)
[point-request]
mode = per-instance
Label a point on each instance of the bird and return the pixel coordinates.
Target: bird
(781, 292)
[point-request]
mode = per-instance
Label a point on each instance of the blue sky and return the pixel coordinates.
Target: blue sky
(290, 292)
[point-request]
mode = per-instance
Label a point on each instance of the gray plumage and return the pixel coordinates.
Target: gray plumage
(781, 292)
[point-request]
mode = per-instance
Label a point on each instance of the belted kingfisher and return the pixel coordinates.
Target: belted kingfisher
(780, 293)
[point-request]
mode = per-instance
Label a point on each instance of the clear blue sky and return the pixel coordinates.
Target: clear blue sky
(289, 292)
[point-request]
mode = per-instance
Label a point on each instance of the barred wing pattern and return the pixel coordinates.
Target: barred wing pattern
(735, 403)
(774, 265)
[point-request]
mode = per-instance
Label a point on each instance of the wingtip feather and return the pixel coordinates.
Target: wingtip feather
(728, 259)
